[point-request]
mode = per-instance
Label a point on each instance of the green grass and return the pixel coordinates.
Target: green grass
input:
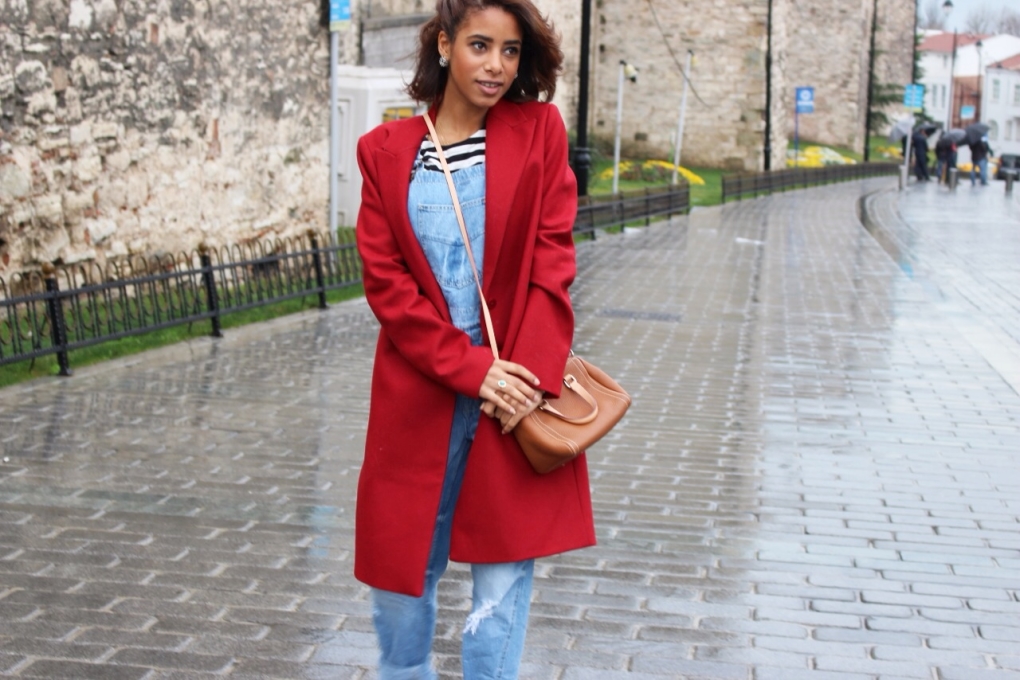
(47, 365)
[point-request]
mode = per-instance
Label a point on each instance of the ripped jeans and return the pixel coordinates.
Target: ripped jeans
(493, 639)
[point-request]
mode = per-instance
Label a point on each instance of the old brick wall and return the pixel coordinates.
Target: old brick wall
(822, 43)
(724, 123)
(829, 44)
(146, 126)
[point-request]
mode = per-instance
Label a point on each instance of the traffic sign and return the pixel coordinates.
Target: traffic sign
(805, 100)
(339, 14)
(913, 96)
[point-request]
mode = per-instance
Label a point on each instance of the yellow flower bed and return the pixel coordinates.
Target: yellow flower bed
(650, 171)
(816, 157)
(890, 152)
(993, 167)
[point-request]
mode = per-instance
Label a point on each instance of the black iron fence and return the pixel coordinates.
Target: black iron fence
(617, 210)
(62, 309)
(762, 183)
(59, 310)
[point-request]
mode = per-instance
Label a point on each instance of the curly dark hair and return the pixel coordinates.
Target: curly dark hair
(541, 56)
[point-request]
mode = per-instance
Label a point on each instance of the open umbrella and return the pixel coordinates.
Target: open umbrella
(926, 127)
(901, 129)
(956, 134)
(975, 131)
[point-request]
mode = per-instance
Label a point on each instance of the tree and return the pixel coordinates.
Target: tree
(982, 20)
(883, 96)
(880, 96)
(1009, 22)
(932, 18)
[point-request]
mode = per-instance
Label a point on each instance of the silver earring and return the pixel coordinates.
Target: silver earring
(516, 74)
(443, 61)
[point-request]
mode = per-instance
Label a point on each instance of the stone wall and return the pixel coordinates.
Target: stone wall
(148, 126)
(830, 41)
(822, 43)
(724, 122)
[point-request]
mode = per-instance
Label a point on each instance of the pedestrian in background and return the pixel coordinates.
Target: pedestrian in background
(979, 153)
(945, 158)
(439, 482)
(920, 144)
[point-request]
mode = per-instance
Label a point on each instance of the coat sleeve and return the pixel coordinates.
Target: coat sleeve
(547, 330)
(430, 343)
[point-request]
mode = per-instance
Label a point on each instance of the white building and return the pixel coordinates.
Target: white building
(1001, 105)
(975, 54)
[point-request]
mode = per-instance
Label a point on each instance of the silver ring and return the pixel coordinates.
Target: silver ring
(501, 383)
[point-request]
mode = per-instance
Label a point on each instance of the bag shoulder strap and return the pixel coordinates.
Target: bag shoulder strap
(463, 233)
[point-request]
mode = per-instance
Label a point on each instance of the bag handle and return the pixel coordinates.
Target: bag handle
(575, 386)
(463, 233)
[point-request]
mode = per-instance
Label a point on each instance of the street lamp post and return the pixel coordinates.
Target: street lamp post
(680, 124)
(913, 52)
(582, 155)
(980, 82)
(630, 72)
(947, 8)
(871, 81)
(768, 89)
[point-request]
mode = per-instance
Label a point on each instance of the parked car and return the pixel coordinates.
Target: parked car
(1008, 162)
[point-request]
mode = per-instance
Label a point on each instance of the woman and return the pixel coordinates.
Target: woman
(439, 482)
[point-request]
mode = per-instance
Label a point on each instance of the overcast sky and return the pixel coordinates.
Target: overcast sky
(961, 8)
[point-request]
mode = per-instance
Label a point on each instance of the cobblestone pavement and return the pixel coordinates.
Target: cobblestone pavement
(819, 478)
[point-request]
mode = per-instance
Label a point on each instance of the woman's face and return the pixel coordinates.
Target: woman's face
(484, 58)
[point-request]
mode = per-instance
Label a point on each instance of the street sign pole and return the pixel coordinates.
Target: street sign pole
(339, 18)
(805, 104)
(913, 100)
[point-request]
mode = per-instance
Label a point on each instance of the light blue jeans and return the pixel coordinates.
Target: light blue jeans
(982, 166)
(493, 639)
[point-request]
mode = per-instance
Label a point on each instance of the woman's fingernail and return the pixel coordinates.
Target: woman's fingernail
(536, 381)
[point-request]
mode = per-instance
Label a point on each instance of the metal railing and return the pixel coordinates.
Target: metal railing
(763, 183)
(59, 310)
(616, 210)
(62, 309)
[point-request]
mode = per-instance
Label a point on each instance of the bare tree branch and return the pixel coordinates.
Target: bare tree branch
(931, 17)
(1009, 22)
(981, 19)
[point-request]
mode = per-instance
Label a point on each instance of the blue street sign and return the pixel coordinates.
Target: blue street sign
(913, 96)
(805, 100)
(966, 112)
(339, 14)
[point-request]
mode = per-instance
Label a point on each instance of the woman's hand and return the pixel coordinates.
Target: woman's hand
(510, 388)
(510, 420)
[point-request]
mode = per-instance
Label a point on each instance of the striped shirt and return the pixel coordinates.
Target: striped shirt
(463, 154)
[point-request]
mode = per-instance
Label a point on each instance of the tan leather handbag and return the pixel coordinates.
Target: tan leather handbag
(590, 402)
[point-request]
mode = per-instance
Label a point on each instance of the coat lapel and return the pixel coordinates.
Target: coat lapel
(508, 141)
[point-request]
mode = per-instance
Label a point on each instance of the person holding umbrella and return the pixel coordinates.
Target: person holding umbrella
(945, 153)
(977, 139)
(920, 144)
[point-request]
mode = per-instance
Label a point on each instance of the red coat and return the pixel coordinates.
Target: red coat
(506, 512)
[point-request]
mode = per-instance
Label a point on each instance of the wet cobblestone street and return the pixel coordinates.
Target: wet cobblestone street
(819, 477)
